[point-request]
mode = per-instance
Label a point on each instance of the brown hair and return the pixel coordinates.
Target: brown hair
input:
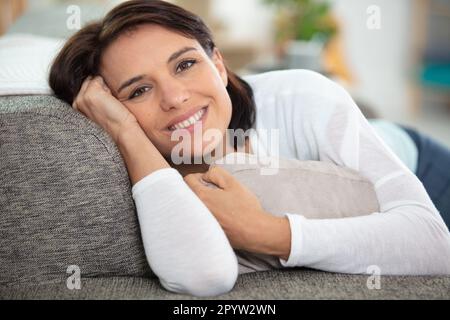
(80, 57)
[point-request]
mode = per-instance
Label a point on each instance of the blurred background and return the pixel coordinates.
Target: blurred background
(392, 56)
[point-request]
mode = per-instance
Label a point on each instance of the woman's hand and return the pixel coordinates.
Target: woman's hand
(97, 103)
(239, 212)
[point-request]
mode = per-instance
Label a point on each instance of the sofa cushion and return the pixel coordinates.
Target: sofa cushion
(313, 189)
(293, 284)
(65, 196)
(25, 62)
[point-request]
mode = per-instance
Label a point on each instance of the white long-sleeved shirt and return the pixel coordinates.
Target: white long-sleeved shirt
(317, 120)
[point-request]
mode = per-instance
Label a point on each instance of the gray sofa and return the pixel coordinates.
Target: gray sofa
(65, 199)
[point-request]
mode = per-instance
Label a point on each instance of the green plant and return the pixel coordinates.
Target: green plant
(303, 19)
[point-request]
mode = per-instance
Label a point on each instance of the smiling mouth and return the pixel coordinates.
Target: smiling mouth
(188, 123)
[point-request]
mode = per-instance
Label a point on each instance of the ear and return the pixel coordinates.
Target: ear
(220, 65)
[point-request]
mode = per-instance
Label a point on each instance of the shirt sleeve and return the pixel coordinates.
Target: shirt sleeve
(184, 244)
(407, 236)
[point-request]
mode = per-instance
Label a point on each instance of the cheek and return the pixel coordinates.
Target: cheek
(147, 121)
(150, 122)
(225, 109)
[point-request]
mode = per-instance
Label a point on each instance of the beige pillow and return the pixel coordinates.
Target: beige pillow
(313, 189)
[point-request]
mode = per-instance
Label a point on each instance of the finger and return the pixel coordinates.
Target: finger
(81, 93)
(194, 181)
(101, 82)
(219, 176)
(84, 86)
(106, 88)
(105, 85)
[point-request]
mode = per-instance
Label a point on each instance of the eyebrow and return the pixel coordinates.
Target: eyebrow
(140, 77)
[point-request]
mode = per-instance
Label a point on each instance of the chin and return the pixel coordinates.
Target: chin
(196, 149)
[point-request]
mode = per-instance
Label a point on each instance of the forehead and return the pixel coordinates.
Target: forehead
(145, 45)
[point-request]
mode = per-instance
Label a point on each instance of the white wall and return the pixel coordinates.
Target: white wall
(380, 59)
(246, 20)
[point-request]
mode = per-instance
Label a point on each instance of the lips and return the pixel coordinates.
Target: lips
(186, 116)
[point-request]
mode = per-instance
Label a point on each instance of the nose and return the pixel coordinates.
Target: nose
(174, 93)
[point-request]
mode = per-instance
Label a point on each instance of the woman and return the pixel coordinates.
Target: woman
(150, 69)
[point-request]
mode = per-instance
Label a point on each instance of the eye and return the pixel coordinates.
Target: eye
(140, 91)
(187, 64)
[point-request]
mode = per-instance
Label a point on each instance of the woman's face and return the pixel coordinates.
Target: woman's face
(164, 78)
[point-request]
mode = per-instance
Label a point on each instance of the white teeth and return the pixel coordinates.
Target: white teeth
(189, 122)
